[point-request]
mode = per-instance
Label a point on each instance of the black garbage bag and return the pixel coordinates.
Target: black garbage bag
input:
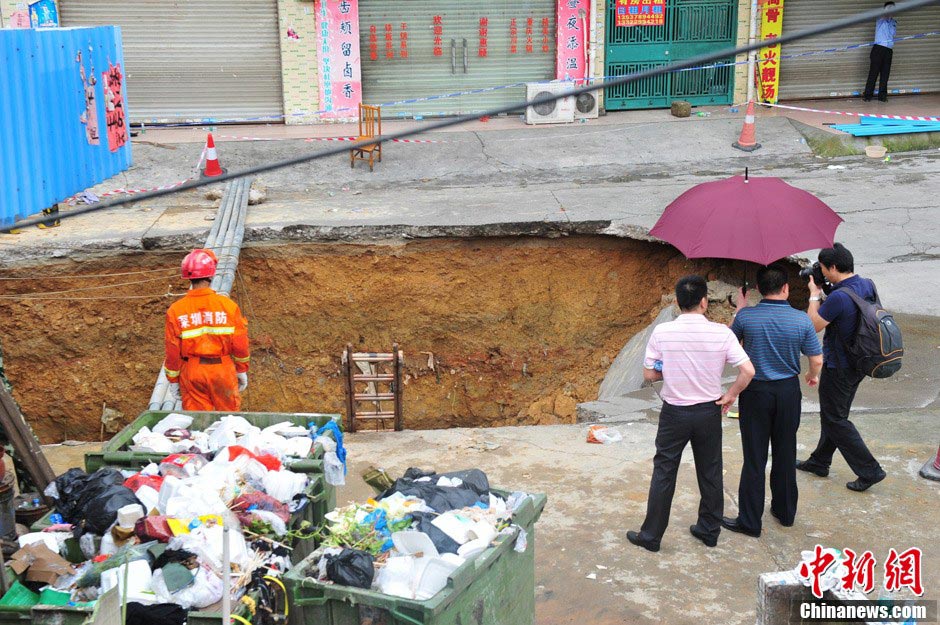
(443, 542)
(93, 499)
(475, 488)
(351, 567)
(102, 509)
(76, 488)
(157, 614)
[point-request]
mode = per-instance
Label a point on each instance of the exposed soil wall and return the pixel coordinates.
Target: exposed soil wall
(495, 331)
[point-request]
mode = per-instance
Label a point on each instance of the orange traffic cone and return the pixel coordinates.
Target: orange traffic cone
(748, 139)
(213, 168)
(931, 469)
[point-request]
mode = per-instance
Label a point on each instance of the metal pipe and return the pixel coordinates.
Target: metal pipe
(752, 55)
(219, 233)
(226, 578)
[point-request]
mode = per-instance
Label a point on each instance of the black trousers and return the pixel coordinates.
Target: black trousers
(770, 414)
(880, 64)
(837, 389)
(678, 425)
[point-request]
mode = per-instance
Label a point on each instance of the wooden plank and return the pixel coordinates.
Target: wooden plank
(27, 446)
(350, 404)
(374, 397)
(398, 388)
(382, 377)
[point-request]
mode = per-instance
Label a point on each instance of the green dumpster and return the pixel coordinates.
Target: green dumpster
(115, 452)
(495, 588)
(85, 615)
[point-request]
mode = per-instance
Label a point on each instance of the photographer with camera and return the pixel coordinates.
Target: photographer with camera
(839, 382)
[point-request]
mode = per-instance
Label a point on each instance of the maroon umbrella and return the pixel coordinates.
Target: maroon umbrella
(755, 219)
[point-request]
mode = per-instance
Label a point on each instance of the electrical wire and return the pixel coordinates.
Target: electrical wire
(866, 16)
(90, 288)
(87, 276)
(82, 299)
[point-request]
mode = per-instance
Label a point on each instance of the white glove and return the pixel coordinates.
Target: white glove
(174, 391)
(242, 381)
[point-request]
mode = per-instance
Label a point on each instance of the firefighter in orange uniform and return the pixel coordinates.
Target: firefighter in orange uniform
(206, 342)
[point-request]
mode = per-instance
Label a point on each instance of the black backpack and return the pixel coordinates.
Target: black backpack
(877, 348)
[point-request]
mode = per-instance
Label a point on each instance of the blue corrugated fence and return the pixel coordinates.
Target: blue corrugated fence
(57, 98)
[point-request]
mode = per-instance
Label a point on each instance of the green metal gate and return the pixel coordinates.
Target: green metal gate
(692, 27)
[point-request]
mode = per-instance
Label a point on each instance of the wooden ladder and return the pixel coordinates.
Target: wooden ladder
(372, 369)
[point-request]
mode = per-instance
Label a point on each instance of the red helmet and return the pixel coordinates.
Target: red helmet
(199, 264)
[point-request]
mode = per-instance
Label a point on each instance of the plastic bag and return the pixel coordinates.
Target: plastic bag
(102, 510)
(181, 465)
(333, 469)
(75, 489)
(601, 434)
(137, 480)
(351, 568)
(205, 590)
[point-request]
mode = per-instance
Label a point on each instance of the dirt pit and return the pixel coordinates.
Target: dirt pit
(496, 331)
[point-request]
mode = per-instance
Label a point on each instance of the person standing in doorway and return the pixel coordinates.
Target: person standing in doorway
(774, 335)
(881, 54)
(693, 352)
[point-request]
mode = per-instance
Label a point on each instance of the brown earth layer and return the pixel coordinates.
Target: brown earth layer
(499, 331)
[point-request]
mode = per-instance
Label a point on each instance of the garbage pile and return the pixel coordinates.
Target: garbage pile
(158, 534)
(407, 541)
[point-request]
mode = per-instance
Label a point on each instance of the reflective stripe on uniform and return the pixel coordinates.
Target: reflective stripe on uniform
(171, 374)
(245, 359)
(214, 330)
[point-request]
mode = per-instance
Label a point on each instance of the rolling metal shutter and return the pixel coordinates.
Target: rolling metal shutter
(460, 67)
(193, 60)
(916, 63)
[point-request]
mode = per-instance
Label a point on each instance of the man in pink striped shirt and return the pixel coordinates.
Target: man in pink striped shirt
(693, 353)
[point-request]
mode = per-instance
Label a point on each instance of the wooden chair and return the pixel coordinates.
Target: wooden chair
(370, 127)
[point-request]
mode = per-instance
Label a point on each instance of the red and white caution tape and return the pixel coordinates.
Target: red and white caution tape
(309, 139)
(137, 191)
(353, 139)
(911, 118)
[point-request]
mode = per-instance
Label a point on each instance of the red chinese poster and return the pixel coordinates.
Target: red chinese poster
(340, 68)
(640, 13)
(115, 114)
(574, 34)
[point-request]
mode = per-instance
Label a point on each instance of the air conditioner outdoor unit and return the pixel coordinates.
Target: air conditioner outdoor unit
(557, 112)
(586, 105)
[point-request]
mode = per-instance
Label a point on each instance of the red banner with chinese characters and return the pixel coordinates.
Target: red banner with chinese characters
(574, 35)
(114, 111)
(640, 13)
(768, 59)
(340, 68)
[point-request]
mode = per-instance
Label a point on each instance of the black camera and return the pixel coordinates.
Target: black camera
(815, 271)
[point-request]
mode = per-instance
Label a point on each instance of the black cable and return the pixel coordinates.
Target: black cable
(701, 59)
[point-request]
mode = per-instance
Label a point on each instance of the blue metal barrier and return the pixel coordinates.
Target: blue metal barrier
(62, 126)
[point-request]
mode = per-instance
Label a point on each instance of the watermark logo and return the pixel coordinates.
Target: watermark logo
(829, 569)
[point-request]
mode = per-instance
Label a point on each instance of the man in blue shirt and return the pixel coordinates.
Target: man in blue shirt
(839, 381)
(774, 335)
(881, 53)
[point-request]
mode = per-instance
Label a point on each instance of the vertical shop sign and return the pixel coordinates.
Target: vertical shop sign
(403, 36)
(340, 68)
(373, 43)
(528, 35)
(438, 25)
(641, 13)
(389, 42)
(484, 36)
(573, 34)
(768, 67)
(513, 36)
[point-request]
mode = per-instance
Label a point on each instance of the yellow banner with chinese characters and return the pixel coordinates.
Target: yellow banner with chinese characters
(768, 59)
